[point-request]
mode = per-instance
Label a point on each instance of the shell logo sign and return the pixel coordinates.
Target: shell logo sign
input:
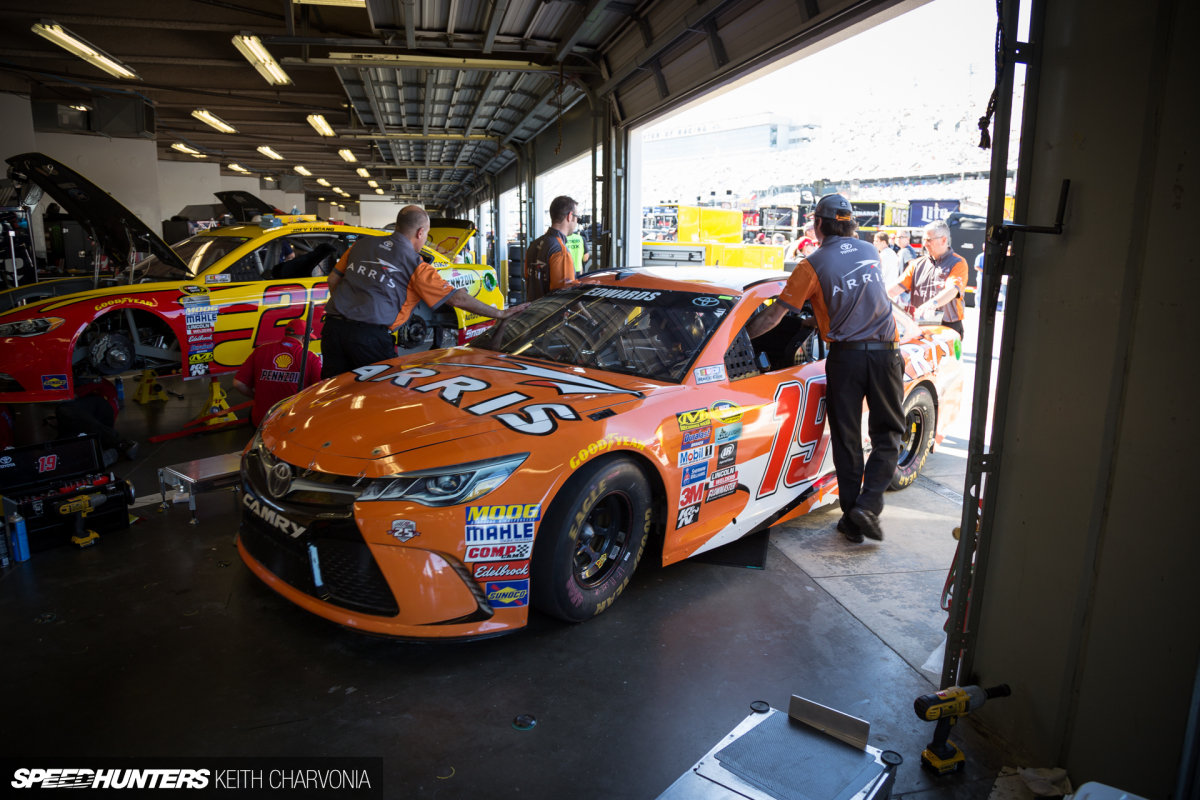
(283, 361)
(448, 245)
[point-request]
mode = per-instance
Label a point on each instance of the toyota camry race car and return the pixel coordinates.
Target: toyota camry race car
(201, 305)
(441, 494)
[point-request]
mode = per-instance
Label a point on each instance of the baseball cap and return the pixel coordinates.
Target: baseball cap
(295, 328)
(834, 206)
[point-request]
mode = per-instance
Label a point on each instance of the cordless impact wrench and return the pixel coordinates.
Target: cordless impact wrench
(942, 755)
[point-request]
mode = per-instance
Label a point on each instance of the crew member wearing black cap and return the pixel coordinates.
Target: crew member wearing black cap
(843, 280)
(374, 288)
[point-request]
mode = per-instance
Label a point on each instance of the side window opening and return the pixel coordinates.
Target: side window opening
(313, 257)
(792, 343)
(254, 266)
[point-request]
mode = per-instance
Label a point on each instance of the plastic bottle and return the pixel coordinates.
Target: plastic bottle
(120, 392)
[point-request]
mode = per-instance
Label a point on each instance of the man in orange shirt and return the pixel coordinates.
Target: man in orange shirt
(373, 290)
(843, 280)
(548, 262)
(936, 280)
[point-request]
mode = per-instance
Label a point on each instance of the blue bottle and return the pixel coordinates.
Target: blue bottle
(120, 392)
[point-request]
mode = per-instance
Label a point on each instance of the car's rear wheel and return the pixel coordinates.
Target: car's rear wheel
(920, 422)
(592, 539)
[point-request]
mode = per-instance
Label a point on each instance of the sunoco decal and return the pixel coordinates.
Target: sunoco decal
(507, 594)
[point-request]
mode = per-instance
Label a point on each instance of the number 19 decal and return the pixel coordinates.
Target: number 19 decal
(800, 412)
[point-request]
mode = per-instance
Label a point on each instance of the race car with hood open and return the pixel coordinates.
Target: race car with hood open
(197, 307)
(438, 495)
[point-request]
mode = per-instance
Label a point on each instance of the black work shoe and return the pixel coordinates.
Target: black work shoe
(849, 530)
(110, 457)
(866, 522)
(128, 449)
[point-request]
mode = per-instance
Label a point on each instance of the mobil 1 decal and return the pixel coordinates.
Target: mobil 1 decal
(695, 455)
(800, 440)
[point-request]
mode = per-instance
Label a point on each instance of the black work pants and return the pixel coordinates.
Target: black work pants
(347, 345)
(957, 327)
(88, 414)
(878, 377)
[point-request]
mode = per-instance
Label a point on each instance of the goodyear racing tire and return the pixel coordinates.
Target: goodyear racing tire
(920, 423)
(591, 540)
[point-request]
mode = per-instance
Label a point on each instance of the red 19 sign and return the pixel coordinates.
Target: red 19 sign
(800, 412)
(47, 463)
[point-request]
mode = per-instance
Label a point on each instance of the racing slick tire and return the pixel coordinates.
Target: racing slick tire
(920, 423)
(591, 540)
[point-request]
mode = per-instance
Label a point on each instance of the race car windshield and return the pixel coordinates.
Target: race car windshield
(199, 253)
(651, 334)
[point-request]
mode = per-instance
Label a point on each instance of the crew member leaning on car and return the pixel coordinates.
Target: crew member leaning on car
(548, 262)
(842, 278)
(374, 288)
(936, 280)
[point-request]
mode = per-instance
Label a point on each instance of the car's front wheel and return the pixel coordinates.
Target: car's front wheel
(592, 539)
(920, 420)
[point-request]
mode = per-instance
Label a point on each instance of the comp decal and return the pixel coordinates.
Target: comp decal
(498, 552)
(502, 524)
(607, 443)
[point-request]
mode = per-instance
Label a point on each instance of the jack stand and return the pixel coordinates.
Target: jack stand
(149, 388)
(217, 402)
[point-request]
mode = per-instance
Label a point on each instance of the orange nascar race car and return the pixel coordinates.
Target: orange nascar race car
(200, 306)
(438, 495)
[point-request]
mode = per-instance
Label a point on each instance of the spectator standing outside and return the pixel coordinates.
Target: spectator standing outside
(94, 410)
(374, 288)
(548, 264)
(577, 247)
(272, 372)
(889, 262)
(851, 307)
(936, 281)
(906, 252)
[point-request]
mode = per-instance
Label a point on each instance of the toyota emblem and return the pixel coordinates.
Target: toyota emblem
(705, 302)
(279, 479)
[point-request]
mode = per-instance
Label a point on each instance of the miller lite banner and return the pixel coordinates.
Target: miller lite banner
(923, 212)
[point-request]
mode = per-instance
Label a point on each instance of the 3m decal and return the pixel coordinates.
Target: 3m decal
(273, 518)
(507, 594)
(711, 374)
(608, 442)
(726, 455)
(690, 495)
(800, 412)
(690, 420)
(696, 473)
(119, 301)
(218, 278)
(724, 412)
(498, 552)
(697, 438)
(499, 524)
(687, 515)
(505, 569)
(729, 433)
(696, 455)
(403, 529)
(538, 419)
(53, 383)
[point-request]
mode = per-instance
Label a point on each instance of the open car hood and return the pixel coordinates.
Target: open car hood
(245, 207)
(368, 416)
(91, 206)
(449, 236)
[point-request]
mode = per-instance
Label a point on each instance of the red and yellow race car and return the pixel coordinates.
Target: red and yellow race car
(197, 307)
(439, 495)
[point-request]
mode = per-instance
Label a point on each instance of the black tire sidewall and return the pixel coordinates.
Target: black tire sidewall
(905, 475)
(554, 589)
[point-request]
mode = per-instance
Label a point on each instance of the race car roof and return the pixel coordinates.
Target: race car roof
(93, 208)
(731, 279)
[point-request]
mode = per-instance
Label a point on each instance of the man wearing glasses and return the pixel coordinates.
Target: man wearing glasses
(935, 281)
(548, 262)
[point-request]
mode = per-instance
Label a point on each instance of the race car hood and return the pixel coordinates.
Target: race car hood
(245, 207)
(449, 236)
(92, 207)
(368, 416)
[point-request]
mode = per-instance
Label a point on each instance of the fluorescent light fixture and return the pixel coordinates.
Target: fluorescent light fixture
(347, 156)
(76, 45)
(236, 167)
(252, 48)
(301, 170)
(373, 184)
(320, 199)
(322, 181)
(320, 125)
(379, 191)
(363, 172)
(344, 3)
(342, 192)
(183, 148)
(80, 108)
(269, 153)
(213, 121)
(268, 178)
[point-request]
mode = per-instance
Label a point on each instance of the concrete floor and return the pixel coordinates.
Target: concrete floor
(163, 643)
